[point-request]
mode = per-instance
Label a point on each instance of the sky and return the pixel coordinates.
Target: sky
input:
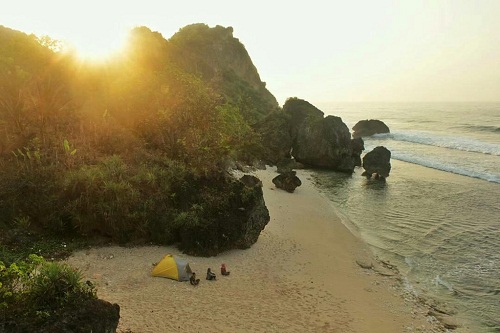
(321, 51)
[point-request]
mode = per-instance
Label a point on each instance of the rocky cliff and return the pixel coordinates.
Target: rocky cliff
(222, 60)
(312, 139)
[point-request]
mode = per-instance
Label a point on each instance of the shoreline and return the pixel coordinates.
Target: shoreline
(304, 274)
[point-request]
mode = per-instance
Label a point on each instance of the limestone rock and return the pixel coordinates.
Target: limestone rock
(236, 223)
(324, 143)
(301, 131)
(287, 181)
(370, 127)
(377, 162)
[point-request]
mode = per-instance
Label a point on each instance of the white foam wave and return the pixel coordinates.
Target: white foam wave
(445, 166)
(451, 142)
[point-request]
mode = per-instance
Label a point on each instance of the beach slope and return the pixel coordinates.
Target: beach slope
(302, 275)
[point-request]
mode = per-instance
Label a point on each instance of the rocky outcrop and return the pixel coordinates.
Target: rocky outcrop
(358, 146)
(287, 181)
(378, 162)
(235, 223)
(223, 62)
(301, 131)
(370, 127)
(324, 143)
(299, 113)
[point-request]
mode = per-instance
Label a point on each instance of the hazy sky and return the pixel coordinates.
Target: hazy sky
(436, 50)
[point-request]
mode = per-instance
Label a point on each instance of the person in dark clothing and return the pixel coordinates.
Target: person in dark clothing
(193, 280)
(223, 270)
(211, 275)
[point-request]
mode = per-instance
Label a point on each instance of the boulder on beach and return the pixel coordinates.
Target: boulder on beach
(369, 127)
(378, 162)
(287, 181)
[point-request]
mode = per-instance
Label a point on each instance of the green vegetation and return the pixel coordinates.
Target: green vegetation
(133, 150)
(129, 151)
(34, 292)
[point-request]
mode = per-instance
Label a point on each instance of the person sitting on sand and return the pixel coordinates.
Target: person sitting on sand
(211, 275)
(223, 270)
(193, 280)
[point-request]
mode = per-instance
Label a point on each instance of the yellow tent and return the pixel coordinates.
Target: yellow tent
(172, 268)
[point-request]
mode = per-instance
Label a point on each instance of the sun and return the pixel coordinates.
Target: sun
(95, 47)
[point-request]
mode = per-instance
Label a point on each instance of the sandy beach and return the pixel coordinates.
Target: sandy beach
(302, 275)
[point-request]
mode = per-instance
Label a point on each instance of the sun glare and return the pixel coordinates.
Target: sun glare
(96, 48)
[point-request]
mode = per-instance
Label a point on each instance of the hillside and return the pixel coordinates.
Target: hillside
(133, 149)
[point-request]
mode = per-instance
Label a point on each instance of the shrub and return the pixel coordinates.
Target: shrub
(34, 292)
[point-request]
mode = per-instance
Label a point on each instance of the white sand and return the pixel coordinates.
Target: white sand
(300, 276)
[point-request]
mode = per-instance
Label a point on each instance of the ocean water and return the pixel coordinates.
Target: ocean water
(437, 216)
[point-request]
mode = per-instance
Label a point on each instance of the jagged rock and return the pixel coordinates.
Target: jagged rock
(368, 128)
(220, 59)
(357, 146)
(287, 181)
(324, 143)
(378, 162)
(301, 131)
(236, 223)
(300, 112)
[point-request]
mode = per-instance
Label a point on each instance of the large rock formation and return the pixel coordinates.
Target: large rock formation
(236, 223)
(314, 140)
(378, 162)
(287, 181)
(370, 127)
(223, 62)
(324, 143)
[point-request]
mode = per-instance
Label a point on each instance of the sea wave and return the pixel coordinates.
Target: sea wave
(450, 142)
(439, 165)
(481, 128)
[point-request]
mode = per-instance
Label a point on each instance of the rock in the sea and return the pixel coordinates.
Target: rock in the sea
(301, 131)
(378, 162)
(287, 181)
(324, 143)
(370, 127)
(358, 146)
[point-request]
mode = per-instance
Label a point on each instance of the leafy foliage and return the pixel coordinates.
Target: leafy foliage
(34, 291)
(129, 149)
